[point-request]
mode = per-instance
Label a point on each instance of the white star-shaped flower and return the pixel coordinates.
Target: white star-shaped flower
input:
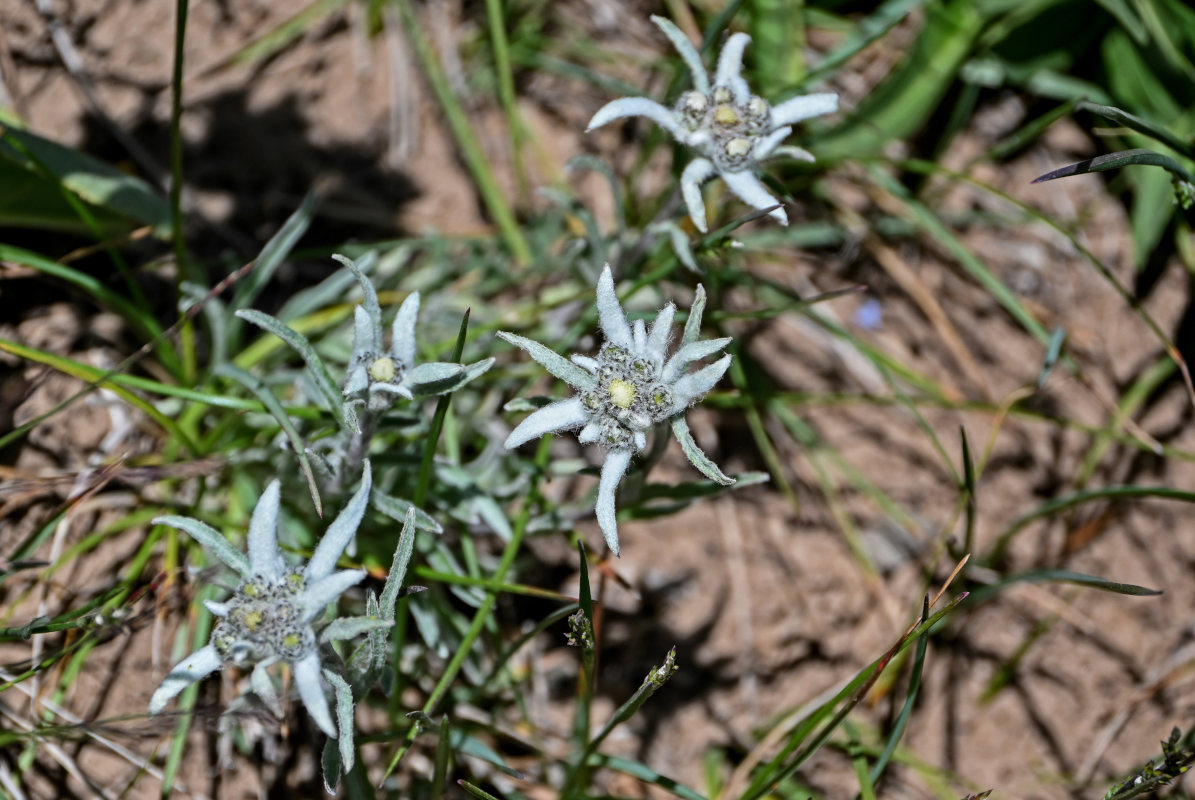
(631, 386)
(271, 615)
(376, 377)
(731, 128)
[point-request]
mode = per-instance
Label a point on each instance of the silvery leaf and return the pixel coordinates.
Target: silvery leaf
(680, 429)
(211, 539)
(614, 467)
(341, 531)
(553, 362)
(688, 52)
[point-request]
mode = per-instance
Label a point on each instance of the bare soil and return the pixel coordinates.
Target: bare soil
(767, 605)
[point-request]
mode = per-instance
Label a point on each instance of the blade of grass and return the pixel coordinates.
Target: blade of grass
(466, 139)
(789, 760)
(99, 378)
(483, 613)
(641, 771)
(906, 711)
(1000, 548)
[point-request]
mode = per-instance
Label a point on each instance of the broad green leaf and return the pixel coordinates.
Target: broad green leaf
(88, 178)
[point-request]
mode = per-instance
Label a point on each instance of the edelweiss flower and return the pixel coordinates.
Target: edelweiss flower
(270, 616)
(629, 388)
(375, 376)
(732, 128)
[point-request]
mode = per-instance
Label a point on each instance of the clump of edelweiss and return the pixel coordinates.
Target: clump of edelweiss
(271, 616)
(630, 387)
(733, 129)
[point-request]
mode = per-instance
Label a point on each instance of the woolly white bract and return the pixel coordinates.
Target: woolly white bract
(732, 129)
(631, 386)
(271, 615)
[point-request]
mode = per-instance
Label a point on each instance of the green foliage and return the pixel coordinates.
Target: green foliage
(306, 394)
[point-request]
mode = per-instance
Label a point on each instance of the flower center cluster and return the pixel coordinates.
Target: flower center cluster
(733, 127)
(265, 621)
(629, 397)
(383, 370)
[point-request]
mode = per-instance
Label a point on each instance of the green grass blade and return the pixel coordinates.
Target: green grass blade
(641, 771)
(1123, 158)
(96, 377)
(1000, 548)
(985, 593)
(906, 711)
(466, 138)
(274, 252)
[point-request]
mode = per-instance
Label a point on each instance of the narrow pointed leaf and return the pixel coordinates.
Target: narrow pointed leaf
(397, 509)
(315, 365)
(680, 429)
(576, 376)
(1124, 158)
(398, 567)
(370, 300)
(267, 398)
(274, 253)
(341, 531)
(212, 540)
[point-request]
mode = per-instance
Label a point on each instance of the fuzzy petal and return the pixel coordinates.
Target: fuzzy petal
(610, 315)
(636, 107)
(730, 66)
(218, 609)
(660, 333)
(559, 416)
(365, 342)
(613, 469)
(690, 388)
(318, 595)
(688, 52)
(693, 351)
(589, 434)
(693, 323)
(795, 153)
(765, 146)
(264, 558)
(402, 334)
(586, 362)
(393, 388)
(311, 691)
(639, 334)
(751, 191)
(356, 380)
(263, 686)
(340, 532)
(804, 107)
(696, 173)
(194, 667)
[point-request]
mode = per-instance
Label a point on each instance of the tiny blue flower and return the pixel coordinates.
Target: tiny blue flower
(731, 128)
(631, 386)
